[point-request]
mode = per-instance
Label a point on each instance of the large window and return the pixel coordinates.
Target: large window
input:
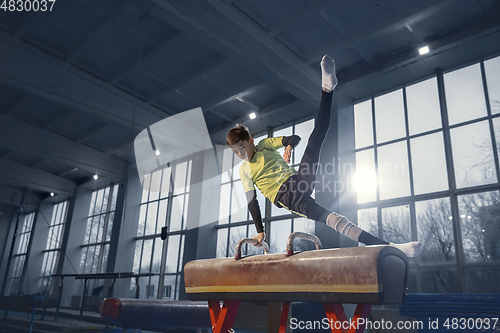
(98, 233)
(235, 222)
(428, 170)
(21, 253)
(169, 208)
(53, 247)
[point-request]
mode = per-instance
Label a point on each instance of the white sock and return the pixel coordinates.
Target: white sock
(411, 249)
(328, 79)
(344, 226)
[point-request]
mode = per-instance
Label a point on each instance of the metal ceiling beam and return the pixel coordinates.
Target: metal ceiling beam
(394, 6)
(56, 136)
(167, 40)
(6, 154)
(60, 25)
(202, 70)
(338, 28)
(12, 195)
(215, 83)
(103, 12)
(24, 23)
(38, 74)
(418, 36)
(67, 172)
(456, 39)
(57, 120)
(19, 175)
(248, 103)
(120, 146)
(114, 13)
(252, 87)
(38, 163)
(229, 32)
(301, 13)
(211, 105)
(93, 131)
(39, 144)
(479, 8)
(24, 102)
(421, 8)
(266, 111)
(135, 33)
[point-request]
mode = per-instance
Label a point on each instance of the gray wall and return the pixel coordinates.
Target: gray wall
(128, 230)
(77, 224)
(39, 235)
(7, 225)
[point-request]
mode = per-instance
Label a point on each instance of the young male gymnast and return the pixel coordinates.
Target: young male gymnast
(264, 167)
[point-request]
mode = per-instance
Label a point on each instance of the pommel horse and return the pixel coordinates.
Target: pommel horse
(364, 276)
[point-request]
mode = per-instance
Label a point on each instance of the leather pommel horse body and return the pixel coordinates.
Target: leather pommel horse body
(359, 275)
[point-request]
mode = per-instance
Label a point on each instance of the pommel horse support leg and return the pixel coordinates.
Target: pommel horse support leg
(364, 276)
(155, 314)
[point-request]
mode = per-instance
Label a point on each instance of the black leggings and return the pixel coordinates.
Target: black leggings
(295, 193)
(309, 163)
(311, 155)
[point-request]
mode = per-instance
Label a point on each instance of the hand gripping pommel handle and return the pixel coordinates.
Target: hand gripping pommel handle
(249, 241)
(303, 235)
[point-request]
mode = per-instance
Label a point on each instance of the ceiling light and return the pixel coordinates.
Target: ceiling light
(95, 177)
(157, 153)
(51, 194)
(252, 115)
(423, 50)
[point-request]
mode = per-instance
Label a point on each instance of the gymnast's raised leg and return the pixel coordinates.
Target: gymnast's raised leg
(308, 168)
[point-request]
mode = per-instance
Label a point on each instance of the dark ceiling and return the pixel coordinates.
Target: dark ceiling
(78, 83)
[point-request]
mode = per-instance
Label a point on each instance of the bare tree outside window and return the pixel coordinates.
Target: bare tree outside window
(435, 231)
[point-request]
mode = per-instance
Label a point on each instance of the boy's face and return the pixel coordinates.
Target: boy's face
(243, 149)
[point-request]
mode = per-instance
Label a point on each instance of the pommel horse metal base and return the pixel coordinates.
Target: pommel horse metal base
(155, 314)
(359, 275)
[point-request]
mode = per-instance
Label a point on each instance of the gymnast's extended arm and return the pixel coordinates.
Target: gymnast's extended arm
(253, 207)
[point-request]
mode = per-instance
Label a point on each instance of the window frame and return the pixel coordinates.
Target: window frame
(452, 193)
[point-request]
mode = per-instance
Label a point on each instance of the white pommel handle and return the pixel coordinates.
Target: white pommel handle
(249, 241)
(303, 235)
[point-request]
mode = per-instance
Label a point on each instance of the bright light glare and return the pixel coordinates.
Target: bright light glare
(51, 194)
(423, 50)
(365, 181)
(95, 177)
(252, 115)
(157, 153)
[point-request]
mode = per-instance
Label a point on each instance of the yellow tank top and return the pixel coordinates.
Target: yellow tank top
(267, 170)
